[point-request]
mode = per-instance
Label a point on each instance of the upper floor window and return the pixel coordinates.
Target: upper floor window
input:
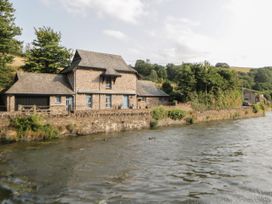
(108, 83)
(108, 101)
(58, 99)
(89, 101)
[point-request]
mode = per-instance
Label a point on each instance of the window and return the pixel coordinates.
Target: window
(108, 101)
(89, 101)
(108, 83)
(58, 99)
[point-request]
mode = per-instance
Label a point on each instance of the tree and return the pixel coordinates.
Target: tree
(153, 76)
(167, 87)
(143, 68)
(171, 70)
(222, 65)
(47, 55)
(8, 44)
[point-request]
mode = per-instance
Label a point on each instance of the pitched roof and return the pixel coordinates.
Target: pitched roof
(98, 60)
(39, 83)
(148, 88)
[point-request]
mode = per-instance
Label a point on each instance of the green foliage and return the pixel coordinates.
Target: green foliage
(159, 113)
(167, 87)
(256, 108)
(258, 79)
(8, 44)
(222, 65)
(153, 124)
(176, 114)
(153, 76)
(190, 120)
(33, 126)
(148, 71)
(47, 55)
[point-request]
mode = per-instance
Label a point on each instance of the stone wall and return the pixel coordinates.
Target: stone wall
(98, 121)
(213, 115)
(89, 122)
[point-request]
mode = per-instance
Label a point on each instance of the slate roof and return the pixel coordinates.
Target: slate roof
(40, 83)
(148, 88)
(90, 59)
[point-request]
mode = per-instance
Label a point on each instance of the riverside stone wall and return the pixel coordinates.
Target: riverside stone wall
(214, 115)
(95, 121)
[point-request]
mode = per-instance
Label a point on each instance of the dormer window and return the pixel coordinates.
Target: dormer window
(108, 83)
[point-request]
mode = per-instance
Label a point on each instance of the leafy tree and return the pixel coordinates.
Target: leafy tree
(161, 71)
(143, 68)
(153, 76)
(47, 55)
(171, 70)
(8, 44)
(167, 87)
(222, 65)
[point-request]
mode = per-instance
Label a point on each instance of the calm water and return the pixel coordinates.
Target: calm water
(223, 162)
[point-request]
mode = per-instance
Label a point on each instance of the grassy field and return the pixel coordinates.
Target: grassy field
(241, 69)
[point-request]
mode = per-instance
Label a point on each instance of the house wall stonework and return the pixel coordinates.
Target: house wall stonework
(57, 107)
(89, 82)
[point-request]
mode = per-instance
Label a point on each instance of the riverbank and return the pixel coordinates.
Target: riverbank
(106, 121)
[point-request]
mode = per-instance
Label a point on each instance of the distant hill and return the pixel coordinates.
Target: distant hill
(241, 69)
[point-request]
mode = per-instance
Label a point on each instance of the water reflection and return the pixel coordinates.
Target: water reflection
(219, 162)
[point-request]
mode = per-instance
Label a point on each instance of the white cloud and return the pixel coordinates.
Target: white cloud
(177, 41)
(124, 10)
(115, 34)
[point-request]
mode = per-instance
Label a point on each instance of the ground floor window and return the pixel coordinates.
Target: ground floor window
(89, 101)
(58, 99)
(108, 101)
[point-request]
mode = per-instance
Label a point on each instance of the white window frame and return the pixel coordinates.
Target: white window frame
(58, 99)
(108, 101)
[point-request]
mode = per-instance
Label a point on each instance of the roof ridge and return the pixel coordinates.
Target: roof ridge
(103, 53)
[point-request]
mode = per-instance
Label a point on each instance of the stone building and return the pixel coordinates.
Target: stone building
(93, 81)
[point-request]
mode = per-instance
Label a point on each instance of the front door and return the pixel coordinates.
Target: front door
(69, 103)
(125, 102)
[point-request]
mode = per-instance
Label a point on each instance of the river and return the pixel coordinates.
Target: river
(220, 162)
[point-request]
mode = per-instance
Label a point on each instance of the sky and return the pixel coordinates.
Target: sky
(237, 32)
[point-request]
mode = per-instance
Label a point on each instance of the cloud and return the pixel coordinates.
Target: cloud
(125, 10)
(115, 34)
(177, 41)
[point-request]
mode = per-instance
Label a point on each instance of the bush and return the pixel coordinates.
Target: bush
(33, 127)
(258, 107)
(153, 123)
(176, 114)
(190, 120)
(159, 113)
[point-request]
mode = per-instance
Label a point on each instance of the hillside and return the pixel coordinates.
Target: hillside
(241, 69)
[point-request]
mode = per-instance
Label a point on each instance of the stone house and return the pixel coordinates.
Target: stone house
(93, 81)
(149, 95)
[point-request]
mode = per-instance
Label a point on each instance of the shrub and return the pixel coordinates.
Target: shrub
(190, 120)
(153, 123)
(33, 127)
(159, 113)
(176, 114)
